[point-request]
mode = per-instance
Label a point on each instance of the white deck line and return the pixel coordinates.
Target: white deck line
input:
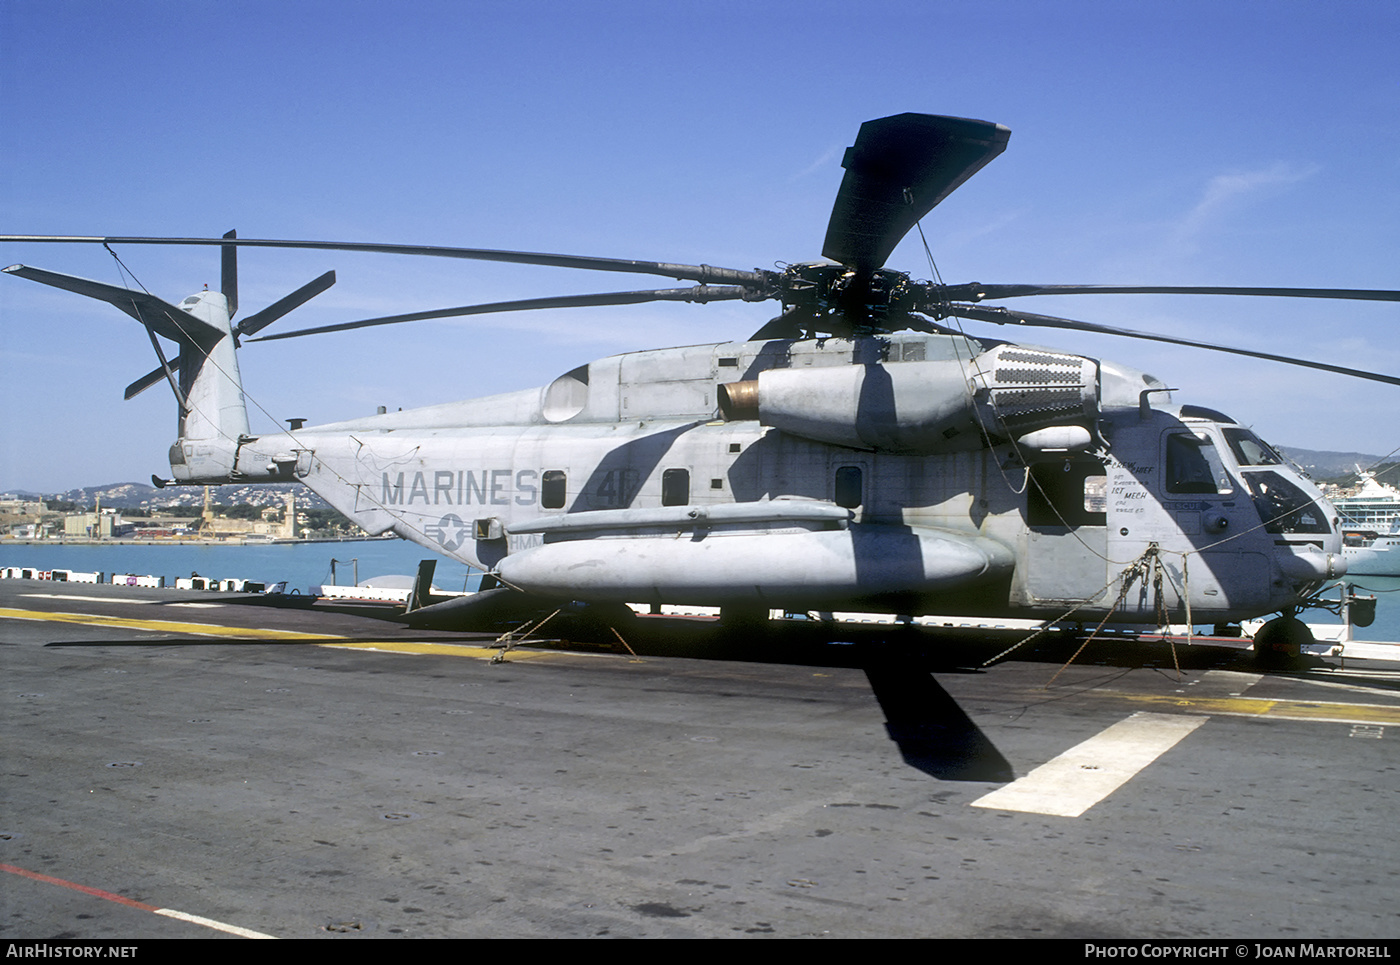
(1084, 775)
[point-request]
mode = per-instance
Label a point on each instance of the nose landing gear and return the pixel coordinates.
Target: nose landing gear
(1282, 639)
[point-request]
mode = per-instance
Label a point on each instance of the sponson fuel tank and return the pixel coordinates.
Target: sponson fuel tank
(803, 569)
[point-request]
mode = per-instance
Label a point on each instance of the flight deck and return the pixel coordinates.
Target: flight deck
(210, 765)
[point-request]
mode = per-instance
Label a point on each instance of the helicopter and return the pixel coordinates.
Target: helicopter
(853, 455)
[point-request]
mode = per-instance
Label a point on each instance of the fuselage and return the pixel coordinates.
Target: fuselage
(914, 473)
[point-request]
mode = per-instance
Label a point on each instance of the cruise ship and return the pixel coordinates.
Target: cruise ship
(1371, 527)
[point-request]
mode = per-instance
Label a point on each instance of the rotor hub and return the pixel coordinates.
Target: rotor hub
(876, 300)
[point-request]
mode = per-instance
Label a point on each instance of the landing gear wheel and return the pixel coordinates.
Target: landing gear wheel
(1281, 640)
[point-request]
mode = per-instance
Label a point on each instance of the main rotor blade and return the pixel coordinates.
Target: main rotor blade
(700, 293)
(1004, 316)
(260, 320)
(978, 292)
(898, 169)
(705, 274)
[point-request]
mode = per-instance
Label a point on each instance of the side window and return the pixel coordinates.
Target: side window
(1096, 495)
(675, 487)
(1067, 494)
(849, 487)
(553, 489)
(1193, 465)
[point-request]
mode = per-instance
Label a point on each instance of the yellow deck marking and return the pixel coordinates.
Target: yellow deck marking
(1089, 772)
(1346, 713)
(259, 633)
(454, 649)
(449, 649)
(164, 626)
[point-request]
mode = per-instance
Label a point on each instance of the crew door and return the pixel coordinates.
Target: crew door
(1066, 533)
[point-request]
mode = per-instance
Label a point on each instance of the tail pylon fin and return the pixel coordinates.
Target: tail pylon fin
(204, 375)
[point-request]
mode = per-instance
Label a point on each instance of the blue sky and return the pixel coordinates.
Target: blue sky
(1217, 143)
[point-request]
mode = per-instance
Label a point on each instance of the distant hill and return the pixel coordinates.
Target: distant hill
(132, 495)
(1321, 464)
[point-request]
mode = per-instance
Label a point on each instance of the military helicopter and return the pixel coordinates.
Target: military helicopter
(853, 455)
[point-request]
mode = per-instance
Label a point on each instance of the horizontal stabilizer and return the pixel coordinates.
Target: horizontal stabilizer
(477, 610)
(160, 316)
(422, 593)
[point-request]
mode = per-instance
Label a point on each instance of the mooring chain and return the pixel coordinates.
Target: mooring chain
(1144, 566)
(1163, 618)
(513, 638)
(1127, 575)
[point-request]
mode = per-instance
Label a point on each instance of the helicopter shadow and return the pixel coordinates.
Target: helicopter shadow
(932, 732)
(928, 726)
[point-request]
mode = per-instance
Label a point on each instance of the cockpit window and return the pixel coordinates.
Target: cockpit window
(1194, 466)
(1284, 507)
(1250, 450)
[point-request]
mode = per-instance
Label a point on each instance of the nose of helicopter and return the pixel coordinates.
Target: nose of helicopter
(1309, 565)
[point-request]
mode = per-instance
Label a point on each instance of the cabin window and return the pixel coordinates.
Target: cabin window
(849, 487)
(553, 489)
(1096, 494)
(1194, 466)
(675, 487)
(1067, 494)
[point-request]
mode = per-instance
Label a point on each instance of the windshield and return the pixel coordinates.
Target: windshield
(1250, 450)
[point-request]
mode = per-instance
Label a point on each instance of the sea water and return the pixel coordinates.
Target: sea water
(303, 565)
(1386, 590)
(300, 565)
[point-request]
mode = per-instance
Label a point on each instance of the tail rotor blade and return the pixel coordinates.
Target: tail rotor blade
(260, 320)
(144, 382)
(228, 283)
